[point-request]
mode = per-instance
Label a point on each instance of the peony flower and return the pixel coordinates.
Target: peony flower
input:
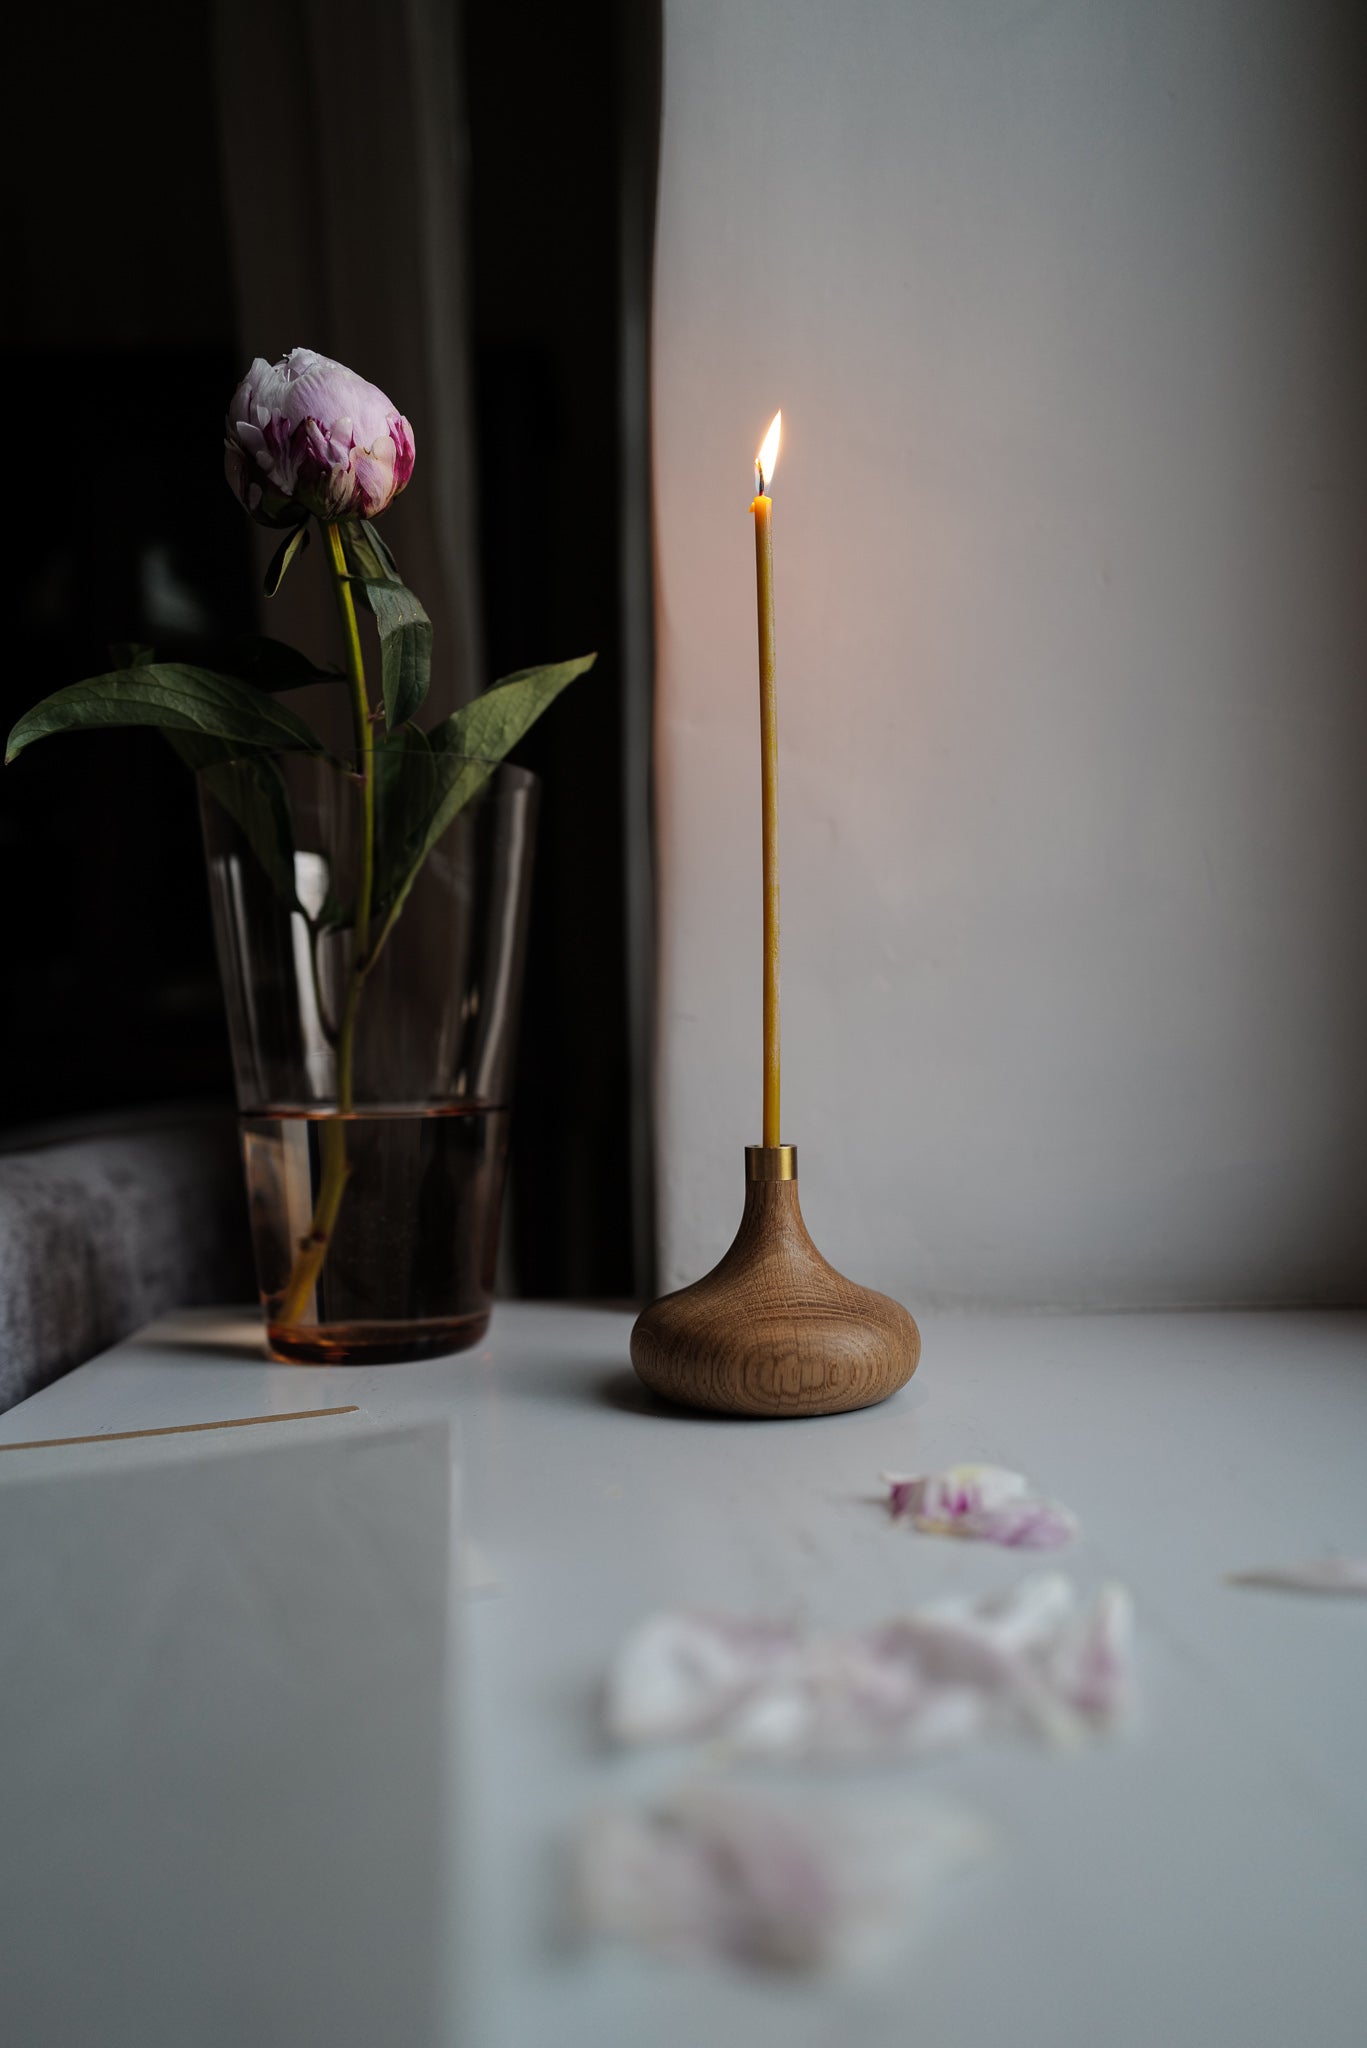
(980, 1500)
(308, 435)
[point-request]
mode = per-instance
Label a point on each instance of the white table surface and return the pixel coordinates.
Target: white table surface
(1202, 1880)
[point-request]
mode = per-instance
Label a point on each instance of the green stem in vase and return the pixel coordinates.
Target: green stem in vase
(364, 732)
(313, 1249)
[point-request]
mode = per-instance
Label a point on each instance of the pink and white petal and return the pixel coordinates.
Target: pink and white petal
(978, 1489)
(335, 494)
(993, 1650)
(279, 438)
(1092, 1665)
(803, 1886)
(373, 469)
(312, 446)
(404, 450)
(903, 1493)
(1023, 1660)
(941, 1501)
(716, 1875)
(836, 1696)
(680, 1673)
(341, 441)
(1339, 1575)
(986, 1502)
(248, 393)
(1025, 1525)
(1019, 1619)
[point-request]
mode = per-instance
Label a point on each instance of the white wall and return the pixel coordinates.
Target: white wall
(1064, 306)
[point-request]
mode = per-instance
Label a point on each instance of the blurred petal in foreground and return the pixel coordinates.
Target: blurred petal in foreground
(1029, 1660)
(795, 1886)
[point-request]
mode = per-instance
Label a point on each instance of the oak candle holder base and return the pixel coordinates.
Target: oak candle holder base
(774, 1329)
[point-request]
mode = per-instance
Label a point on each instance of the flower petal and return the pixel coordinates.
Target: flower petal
(800, 1886)
(402, 436)
(1091, 1663)
(1026, 1660)
(681, 1675)
(984, 1501)
(373, 469)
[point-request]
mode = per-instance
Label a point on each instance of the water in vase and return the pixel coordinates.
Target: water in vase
(409, 1271)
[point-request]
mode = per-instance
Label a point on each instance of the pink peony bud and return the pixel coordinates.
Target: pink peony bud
(308, 435)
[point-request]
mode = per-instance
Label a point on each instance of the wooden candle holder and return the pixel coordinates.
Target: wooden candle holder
(774, 1330)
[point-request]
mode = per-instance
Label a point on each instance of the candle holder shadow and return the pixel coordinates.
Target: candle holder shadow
(774, 1329)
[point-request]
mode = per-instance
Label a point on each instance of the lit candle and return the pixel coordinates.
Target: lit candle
(763, 509)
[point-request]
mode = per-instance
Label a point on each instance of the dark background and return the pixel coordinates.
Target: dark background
(120, 348)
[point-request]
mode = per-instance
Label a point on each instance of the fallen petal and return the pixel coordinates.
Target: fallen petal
(1091, 1666)
(681, 1674)
(1026, 1616)
(799, 1886)
(984, 1501)
(1316, 1575)
(1001, 1645)
(1025, 1660)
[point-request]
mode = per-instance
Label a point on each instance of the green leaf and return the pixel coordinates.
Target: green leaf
(490, 726)
(405, 649)
(364, 561)
(405, 646)
(175, 697)
(292, 545)
(368, 557)
(404, 627)
(466, 749)
(422, 795)
(251, 789)
(385, 554)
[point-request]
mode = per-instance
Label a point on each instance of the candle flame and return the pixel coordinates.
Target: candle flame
(767, 458)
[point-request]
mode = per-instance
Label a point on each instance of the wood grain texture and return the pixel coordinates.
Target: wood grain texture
(774, 1329)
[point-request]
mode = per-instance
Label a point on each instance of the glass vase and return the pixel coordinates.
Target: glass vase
(372, 1037)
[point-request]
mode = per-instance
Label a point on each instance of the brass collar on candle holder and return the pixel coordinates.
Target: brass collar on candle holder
(771, 1162)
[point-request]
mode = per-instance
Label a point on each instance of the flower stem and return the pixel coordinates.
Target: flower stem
(365, 766)
(313, 1249)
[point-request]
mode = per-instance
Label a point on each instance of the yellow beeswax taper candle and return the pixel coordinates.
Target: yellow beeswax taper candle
(763, 510)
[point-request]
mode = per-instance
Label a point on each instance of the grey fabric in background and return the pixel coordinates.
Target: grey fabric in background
(103, 1231)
